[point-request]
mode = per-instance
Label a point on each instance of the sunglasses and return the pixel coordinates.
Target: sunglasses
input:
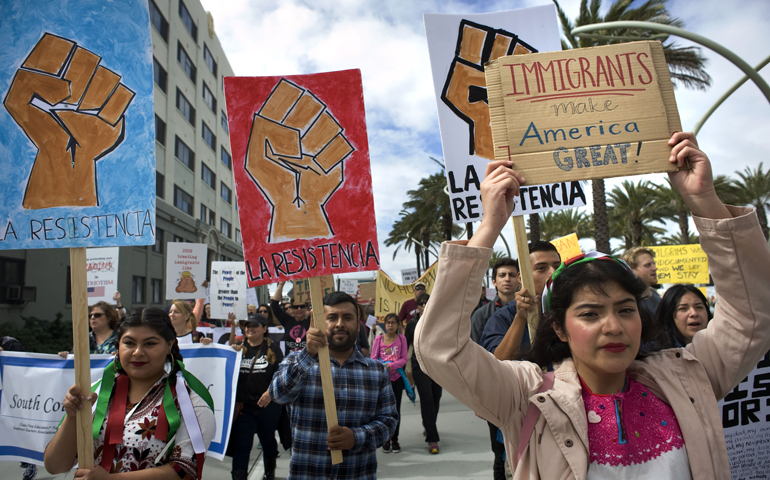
(300, 306)
(95, 315)
(263, 311)
(422, 304)
(419, 288)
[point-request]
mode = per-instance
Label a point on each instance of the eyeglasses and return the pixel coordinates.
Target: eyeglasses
(95, 315)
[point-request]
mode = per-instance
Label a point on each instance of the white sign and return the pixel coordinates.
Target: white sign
(459, 45)
(349, 286)
(185, 270)
(746, 423)
(251, 296)
(409, 275)
(102, 274)
(491, 293)
(228, 290)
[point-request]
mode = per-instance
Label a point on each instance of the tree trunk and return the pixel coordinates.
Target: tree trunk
(762, 214)
(469, 230)
(447, 225)
(534, 227)
(601, 223)
(418, 254)
(637, 232)
(684, 227)
(426, 241)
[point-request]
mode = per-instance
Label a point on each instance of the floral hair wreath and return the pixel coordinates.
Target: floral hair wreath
(582, 258)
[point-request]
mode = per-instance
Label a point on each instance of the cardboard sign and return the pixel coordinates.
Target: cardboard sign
(391, 295)
(584, 113)
(185, 270)
(459, 46)
(302, 289)
(302, 176)
(228, 290)
(102, 274)
(367, 291)
(78, 141)
(567, 246)
(681, 264)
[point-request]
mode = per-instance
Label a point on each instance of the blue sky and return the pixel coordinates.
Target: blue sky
(386, 40)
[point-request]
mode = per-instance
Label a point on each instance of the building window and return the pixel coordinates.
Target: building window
(209, 59)
(160, 185)
(226, 193)
(157, 289)
(238, 238)
(208, 136)
(158, 247)
(212, 219)
(138, 291)
(208, 177)
(178, 239)
(223, 121)
(187, 20)
(227, 159)
(159, 21)
(160, 130)
(159, 74)
(11, 275)
(183, 201)
(208, 97)
(187, 64)
(185, 107)
(224, 227)
(204, 213)
(184, 154)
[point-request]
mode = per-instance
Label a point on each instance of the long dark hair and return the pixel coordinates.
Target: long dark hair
(160, 323)
(667, 311)
(547, 348)
(271, 320)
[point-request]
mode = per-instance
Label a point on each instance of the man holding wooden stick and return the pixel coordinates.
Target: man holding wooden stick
(365, 403)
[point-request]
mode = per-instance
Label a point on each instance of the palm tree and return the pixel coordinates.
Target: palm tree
(686, 67)
(564, 222)
(404, 232)
(673, 207)
(634, 207)
(533, 223)
(676, 239)
(754, 189)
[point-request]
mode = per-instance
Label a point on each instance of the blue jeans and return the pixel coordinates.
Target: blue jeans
(263, 422)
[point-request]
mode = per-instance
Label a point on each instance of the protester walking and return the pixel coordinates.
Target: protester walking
(683, 312)
(390, 349)
(185, 323)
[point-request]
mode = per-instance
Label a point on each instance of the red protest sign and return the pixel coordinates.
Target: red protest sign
(302, 175)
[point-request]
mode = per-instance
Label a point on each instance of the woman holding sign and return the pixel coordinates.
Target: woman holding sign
(607, 411)
(150, 413)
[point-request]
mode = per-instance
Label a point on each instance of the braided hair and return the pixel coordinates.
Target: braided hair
(158, 321)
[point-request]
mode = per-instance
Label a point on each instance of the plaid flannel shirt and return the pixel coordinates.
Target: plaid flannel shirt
(365, 404)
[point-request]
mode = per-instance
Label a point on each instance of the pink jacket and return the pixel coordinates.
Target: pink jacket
(689, 379)
(400, 362)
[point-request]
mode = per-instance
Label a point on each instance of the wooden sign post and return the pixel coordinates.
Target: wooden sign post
(525, 268)
(324, 363)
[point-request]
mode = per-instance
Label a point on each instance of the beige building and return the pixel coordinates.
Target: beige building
(194, 177)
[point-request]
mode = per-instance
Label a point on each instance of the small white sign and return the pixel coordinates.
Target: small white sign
(228, 290)
(409, 275)
(102, 274)
(185, 270)
(349, 286)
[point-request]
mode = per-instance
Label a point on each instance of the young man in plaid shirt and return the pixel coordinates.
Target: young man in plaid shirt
(366, 406)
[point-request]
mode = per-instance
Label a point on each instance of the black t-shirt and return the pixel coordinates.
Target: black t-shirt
(250, 389)
(294, 331)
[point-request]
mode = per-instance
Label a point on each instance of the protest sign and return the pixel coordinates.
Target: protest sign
(292, 138)
(78, 136)
(746, 424)
(681, 264)
(349, 286)
(302, 289)
(408, 276)
(584, 113)
(367, 291)
(228, 290)
(251, 296)
(185, 270)
(102, 274)
(567, 246)
(391, 295)
(491, 293)
(459, 46)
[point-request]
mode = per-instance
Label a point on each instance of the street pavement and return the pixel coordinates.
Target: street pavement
(464, 451)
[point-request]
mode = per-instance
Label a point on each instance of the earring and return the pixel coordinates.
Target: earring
(116, 363)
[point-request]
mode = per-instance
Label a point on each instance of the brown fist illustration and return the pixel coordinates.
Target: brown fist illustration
(465, 89)
(295, 156)
(72, 109)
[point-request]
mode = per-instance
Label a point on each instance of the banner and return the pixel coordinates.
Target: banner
(681, 264)
(293, 138)
(34, 384)
(391, 295)
(78, 139)
(302, 288)
(185, 270)
(583, 113)
(567, 246)
(746, 423)
(459, 46)
(228, 290)
(102, 274)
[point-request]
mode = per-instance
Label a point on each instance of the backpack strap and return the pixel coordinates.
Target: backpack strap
(533, 414)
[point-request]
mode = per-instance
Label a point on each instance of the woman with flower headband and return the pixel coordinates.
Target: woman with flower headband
(150, 413)
(607, 410)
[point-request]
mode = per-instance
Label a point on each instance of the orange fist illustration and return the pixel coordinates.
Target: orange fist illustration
(295, 156)
(72, 109)
(465, 89)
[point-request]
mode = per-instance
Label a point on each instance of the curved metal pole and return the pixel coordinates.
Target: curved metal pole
(434, 252)
(693, 37)
(726, 95)
(507, 248)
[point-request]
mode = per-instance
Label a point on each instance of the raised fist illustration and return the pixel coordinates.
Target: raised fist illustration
(295, 156)
(72, 109)
(465, 89)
